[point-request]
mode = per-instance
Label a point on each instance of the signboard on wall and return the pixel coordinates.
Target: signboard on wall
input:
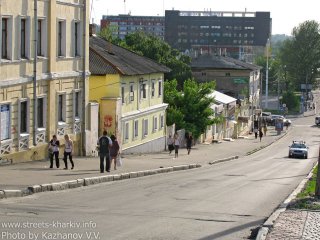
(240, 80)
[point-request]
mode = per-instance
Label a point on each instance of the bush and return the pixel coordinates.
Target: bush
(291, 100)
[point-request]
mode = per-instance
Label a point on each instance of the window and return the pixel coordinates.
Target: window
(39, 38)
(122, 94)
(61, 107)
(144, 127)
(155, 124)
(4, 47)
(126, 131)
(77, 39)
(61, 48)
(23, 40)
(160, 88)
(5, 122)
(152, 88)
(161, 121)
(228, 74)
(136, 128)
(41, 111)
(131, 93)
(23, 116)
(77, 104)
(143, 91)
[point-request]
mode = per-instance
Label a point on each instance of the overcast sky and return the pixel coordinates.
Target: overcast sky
(285, 14)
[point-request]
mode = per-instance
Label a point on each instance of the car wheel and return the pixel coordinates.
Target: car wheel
(306, 156)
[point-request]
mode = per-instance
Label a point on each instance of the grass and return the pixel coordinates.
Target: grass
(307, 199)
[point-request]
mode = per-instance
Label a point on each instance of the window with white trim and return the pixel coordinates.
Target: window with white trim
(24, 115)
(23, 38)
(155, 124)
(136, 128)
(41, 111)
(143, 90)
(161, 121)
(153, 88)
(61, 107)
(42, 38)
(144, 127)
(5, 121)
(159, 88)
(61, 38)
(122, 94)
(77, 104)
(6, 38)
(77, 39)
(126, 131)
(131, 94)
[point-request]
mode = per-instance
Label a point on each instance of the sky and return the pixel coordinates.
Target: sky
(285, 14)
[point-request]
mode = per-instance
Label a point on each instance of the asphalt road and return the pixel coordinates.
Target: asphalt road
(222, 201)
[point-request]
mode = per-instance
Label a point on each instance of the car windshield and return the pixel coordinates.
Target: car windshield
(298, 145)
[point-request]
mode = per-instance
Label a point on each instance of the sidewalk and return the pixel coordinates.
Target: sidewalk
(21, 176)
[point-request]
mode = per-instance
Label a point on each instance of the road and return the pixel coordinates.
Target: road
(222, 201)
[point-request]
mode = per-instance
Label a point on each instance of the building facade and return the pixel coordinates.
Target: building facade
(122, 25)
(129, 90)
(237, 34)
(43, 75)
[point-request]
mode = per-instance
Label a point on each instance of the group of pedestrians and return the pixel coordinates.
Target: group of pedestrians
(108, 148)
(53, 148)
(174, 143)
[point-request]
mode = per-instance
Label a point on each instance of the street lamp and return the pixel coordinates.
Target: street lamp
(267, 72)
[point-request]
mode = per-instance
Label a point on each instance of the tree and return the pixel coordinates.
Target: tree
(107, 34)
(301, 54)
(190, 108)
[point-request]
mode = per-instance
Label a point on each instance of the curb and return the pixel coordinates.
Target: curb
(59, 186)
(223, 160)
(268, 224)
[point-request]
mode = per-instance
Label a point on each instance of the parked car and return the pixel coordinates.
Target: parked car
(286, 122)
(298, 149)
(317, 120)
(266, 116)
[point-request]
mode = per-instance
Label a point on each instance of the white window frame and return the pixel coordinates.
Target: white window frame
(63, 46)
(143, 90)
(131, 92)
(44, 37)
(161, 121)
(155, 123)
(64, 108)
(44, 112)
(123, 100)
(79, 110)
(153, 88)
(27, 38)
(145, 126)
(9, 122)
(9, 38)
(135, 128)
(27, 101)
(126, 131)
(160, 88)
(77, 40)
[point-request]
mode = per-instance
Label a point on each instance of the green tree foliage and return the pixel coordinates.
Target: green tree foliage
(107, 34)
(301, 54)
(291, 100)
(158, 50)
(190, 108)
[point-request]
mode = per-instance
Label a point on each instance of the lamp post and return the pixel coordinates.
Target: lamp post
(267, 73)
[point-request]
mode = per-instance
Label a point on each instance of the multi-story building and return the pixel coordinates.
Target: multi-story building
(237, 34)
(43, 75)
(122, 25)
(129, 90)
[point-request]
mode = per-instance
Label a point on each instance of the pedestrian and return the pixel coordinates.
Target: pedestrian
(176, 145)
(114, 151)
(68, 150)
(170, 143)
(260, 134)
(265, 129)
(53, 148)
(104, 143)
(255, 133)
(189, 142)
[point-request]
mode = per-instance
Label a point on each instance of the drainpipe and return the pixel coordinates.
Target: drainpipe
(83, 122)
(35, 73)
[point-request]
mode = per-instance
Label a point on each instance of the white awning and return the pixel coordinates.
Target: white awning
(222, 98)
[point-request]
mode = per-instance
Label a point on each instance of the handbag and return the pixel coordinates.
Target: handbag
(119, 161)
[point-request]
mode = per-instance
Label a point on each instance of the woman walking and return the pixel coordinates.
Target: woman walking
(189, 142)
(176, 145)
(54, 145)
(170, 144)
(114, 151)
(68, 149)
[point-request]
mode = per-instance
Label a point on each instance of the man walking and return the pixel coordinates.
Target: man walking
(104, 143)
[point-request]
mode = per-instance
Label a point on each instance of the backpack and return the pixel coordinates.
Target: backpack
(104, 145)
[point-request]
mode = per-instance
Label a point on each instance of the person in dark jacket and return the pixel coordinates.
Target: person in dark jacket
(104, 143)
(260, 134)
(189, 142)
(114, 151)
(53, 148)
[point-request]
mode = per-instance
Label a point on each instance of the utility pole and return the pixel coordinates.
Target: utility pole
(35, 115)
(267, 72)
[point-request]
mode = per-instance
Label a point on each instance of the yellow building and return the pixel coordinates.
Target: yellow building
(43, 95)
(129, 89)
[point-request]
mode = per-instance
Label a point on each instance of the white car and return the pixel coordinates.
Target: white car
(298, 149)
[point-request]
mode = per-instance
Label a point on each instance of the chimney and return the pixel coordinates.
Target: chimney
(92, 30)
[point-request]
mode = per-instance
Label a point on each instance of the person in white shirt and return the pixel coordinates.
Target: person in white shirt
(68, 149)
(53, 148)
